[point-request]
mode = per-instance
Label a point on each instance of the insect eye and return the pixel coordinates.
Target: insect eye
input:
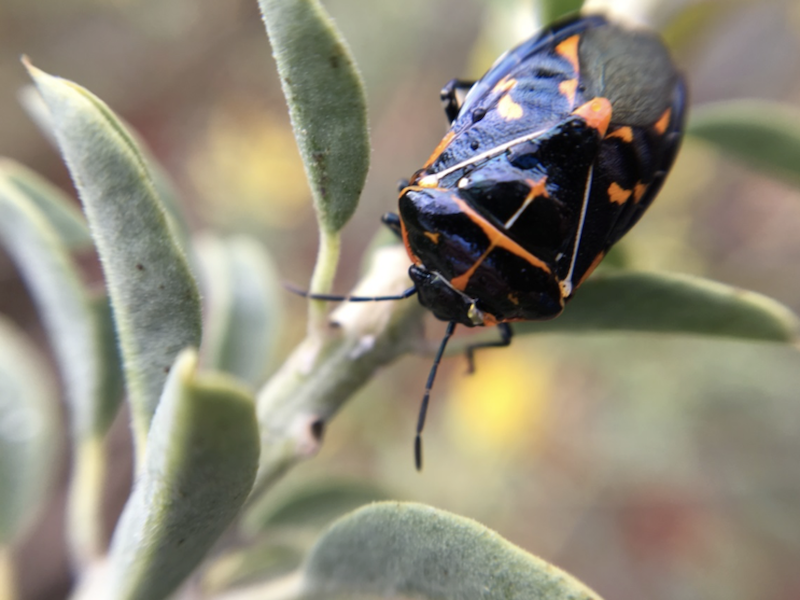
(545, 73)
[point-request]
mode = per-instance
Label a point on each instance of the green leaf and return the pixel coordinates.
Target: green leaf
(37, 110)
(243, 309)
(670, 303)
(311, 506)
(764, 135)
(409, 549)
(58, 208)
(154, 296)
(326, 102)
(36, 228)
(200, 463)
(28, 432)
(256, 562)
(77, 324)
(552, 10)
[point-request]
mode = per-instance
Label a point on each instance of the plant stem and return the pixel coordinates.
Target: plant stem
(8, 584)
(322, 279)
(85, 532)
(285, 588)
(323, 372)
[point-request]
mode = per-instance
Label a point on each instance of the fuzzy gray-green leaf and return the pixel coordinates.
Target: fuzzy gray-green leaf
(200, 463)
(76, 323)
(552, 10)
(764, 135)
(28, 432)
(58, 208)
(37, 110)
(405, 549)
(670, 303)
(243, 309)
(326, 102)
(310, 506)
(154, 296)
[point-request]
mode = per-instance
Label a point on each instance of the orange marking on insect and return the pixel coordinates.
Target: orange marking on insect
(439, 148)
(568, 88)
(617, 194)
(428, 182)
(514, 299)
(489, 319)
(623, 133)
(460, 282)
(504, 85)
(590, 270)
(497, 239)
(508, 109)
(638, 191)
(569, 50)
(596, 113)
(434, 237)
(538, 188)
(404, 232)
(663, 122)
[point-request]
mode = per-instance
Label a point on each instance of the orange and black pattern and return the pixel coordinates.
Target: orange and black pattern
(550, 159)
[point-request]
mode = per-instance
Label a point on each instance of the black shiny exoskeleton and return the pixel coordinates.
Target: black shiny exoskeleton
(550, 159)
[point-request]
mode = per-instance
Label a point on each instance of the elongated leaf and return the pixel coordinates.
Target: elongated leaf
(154, 296)
(311, 506)
(62, 213)
(669, 303)
(243, 309)
(258, 561)
(764, 135)
(326, 102)
(28, 432)
(201, 460)
(555, 9)
(37, 110)
(78, 325)
(414, 550)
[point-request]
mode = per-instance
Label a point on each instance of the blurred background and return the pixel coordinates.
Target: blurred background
(664, 467)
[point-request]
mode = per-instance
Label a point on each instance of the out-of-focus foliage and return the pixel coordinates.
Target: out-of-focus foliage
(763, 135)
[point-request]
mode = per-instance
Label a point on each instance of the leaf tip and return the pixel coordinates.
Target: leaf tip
(186, 363)
(39, 77)
(34, 72)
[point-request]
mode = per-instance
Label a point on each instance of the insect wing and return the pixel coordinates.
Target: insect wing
(547, 39)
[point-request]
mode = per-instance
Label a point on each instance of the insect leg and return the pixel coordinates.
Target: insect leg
(453, 94)
(423, 409)
(392, 221)
(506, 333)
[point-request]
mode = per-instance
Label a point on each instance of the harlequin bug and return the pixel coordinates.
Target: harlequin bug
(551, 157)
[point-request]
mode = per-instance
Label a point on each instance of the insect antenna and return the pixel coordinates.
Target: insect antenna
(334, 298)
(423, 409)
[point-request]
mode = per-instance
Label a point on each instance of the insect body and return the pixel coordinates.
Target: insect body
(551, 157)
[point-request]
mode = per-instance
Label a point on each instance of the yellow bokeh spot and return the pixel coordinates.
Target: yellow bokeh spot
(501, 408)
(247, 169)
